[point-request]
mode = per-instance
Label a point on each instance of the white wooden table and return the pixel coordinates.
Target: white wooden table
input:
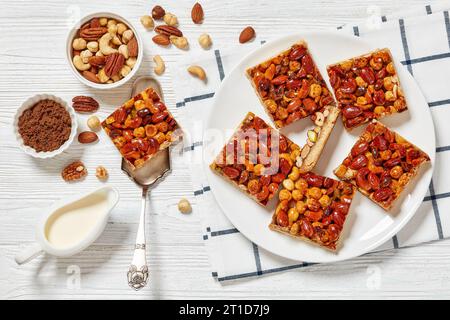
(33, 61)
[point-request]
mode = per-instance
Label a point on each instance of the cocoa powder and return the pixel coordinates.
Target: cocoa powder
(45, 126)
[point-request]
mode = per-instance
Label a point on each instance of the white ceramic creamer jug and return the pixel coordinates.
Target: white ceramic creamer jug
(72, 224)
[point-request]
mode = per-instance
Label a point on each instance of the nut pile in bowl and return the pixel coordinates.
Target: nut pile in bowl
(104, 50)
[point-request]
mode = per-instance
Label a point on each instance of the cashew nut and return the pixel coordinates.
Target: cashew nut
(104, 46)
(170, 19)
(127, 36)
(116, 40)
(103, 21)
(111, 22)
(121, 28)
(147, 22)
(197, 71)
(125, 71)
(123, 49)
(99, 54)
(205, 41)
(85, 55)
(102, 77)
(179, 42)
(92, 46)
(160, 66)
(79, 64)
(79, 44)
(131, 62)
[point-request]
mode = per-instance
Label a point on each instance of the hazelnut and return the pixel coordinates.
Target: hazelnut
(147, 22)
(79, 44)
(121, 28)
(171, 19)
(205, 41)
(158, 12)
(92, 46)
(184, 206)
(101, 173)
(127, 36)
(94, 123)
(179, 42)
(103, 21)
(111, 22)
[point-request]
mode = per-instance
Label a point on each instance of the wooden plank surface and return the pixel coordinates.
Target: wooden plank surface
(32, 58)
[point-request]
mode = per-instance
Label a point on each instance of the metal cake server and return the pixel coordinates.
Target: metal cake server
(146, 176)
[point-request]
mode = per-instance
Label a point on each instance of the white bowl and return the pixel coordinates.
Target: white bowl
(71, 36)
(28, 104)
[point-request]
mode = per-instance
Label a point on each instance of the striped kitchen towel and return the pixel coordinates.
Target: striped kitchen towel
(421, 40)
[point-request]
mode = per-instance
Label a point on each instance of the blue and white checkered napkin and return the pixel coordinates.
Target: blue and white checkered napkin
(421, 41)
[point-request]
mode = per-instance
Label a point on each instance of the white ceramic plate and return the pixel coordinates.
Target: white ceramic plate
(368, 226)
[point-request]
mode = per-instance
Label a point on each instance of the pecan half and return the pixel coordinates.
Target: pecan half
(84, 104)
(74, 171)
(93, 34)
(169, 31)
(114, 62)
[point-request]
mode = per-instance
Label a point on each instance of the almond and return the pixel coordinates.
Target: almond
(133, 47)
(90, 76)
(197, 13)
(97, 61)
(87, 137)
(161, 40)
(169, 31)
(247, 34)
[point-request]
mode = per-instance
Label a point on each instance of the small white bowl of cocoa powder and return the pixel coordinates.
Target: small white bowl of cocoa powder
(45, 126)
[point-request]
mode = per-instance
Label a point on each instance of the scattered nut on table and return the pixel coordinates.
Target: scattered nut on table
(158, 12)
(205, 41)
(197, 71)
(147, 22)
(179, 42)
(101, 173)
(170, 19)
(74, 171)
(184, 206)
(160, 65)
(94, 123)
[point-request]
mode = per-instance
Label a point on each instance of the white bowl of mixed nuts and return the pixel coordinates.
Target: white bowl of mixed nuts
(104, 50)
